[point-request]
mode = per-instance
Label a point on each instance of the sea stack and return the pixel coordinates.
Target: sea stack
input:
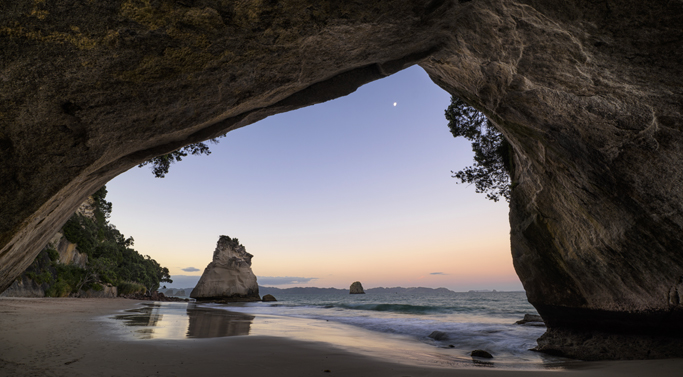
(356, 288)
(228, 277)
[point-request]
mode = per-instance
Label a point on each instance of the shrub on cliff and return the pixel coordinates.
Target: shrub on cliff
(129, 288)
(67, 278)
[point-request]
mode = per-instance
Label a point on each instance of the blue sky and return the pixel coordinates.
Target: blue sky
(351, 189)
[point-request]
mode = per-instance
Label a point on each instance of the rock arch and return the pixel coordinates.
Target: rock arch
(588, 94)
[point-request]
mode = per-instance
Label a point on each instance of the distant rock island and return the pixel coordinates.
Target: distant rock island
(269, 298)
(229, 276)
(356, 288)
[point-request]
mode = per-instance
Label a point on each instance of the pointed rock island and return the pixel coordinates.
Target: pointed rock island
(229, 276)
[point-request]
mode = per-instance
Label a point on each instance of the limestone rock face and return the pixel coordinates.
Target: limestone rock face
(588, 94)
(228, 277)
(356, 288)
(68, 252)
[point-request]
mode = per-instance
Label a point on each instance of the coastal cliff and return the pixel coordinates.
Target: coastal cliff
(37, 280)
(229, 276)
(90, 258)
(588, 94)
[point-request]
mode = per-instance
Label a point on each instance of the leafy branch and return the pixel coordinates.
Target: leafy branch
(161, 164)
(490, 172)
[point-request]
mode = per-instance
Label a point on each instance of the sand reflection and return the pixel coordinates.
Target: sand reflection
(143, 316)
(170, 320)
(213, 323)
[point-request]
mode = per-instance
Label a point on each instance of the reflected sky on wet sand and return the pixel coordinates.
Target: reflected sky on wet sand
(174, 320)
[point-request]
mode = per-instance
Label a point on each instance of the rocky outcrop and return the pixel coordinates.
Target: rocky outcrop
(356, 288)
(606, 345)
(37, 279)
(228, 277)
(154, 296)
(268, 298)
(68, 252)
(107, 291)
(588, 94)
(482, 354)
(438, 335)
(24, 287)
(531, 320)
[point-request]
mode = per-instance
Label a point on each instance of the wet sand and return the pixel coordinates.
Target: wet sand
(75, 337)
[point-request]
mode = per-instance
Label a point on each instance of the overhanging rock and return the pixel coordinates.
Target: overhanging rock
(589, 95)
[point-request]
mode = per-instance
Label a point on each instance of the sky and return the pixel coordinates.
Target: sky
(355, 189)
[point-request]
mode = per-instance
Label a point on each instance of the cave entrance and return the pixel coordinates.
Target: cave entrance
(358, 188)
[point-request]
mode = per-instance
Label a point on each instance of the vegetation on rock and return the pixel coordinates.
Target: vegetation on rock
(161, 164)
(111, 259)
(490, 172)
(233, 243)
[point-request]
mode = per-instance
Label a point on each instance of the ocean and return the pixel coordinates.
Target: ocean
(389, 325)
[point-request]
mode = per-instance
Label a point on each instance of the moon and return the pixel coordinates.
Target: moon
(394, 104)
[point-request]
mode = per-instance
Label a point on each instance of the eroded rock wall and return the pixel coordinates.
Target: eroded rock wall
(596, 213)
(589, 95)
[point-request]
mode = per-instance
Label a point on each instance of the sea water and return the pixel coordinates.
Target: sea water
(393, 326)
(469, 320)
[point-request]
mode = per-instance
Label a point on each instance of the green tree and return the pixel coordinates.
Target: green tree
(102, 207)
(97, 267)
(490, 172)
(112, 258)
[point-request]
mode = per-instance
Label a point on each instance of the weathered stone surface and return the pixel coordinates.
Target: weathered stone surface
(602, 345)
(34, 282)
(68, 252)
(356, 288)
(228, 277)
(588, 93)
(107, 291)
(24, 287)
(438, 335)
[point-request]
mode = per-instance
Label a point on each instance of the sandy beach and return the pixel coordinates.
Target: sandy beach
(72, 337)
